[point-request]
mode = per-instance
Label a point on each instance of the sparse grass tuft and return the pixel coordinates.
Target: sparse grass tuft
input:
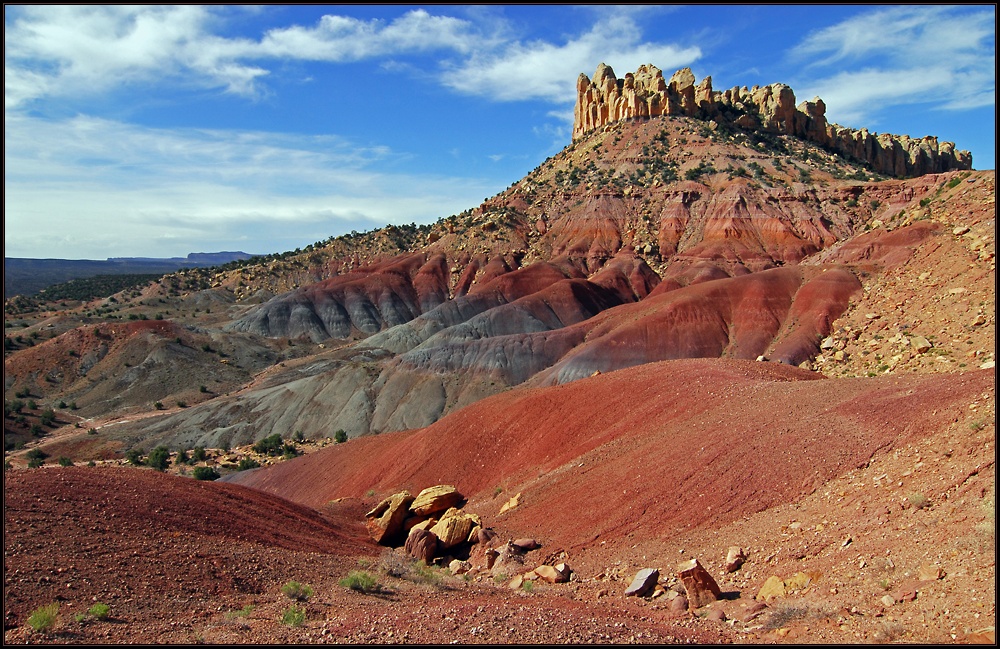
(99, 611)
(785, 614)
(43, 618)
(295, 590)
(918, 500)
(294, 616)
(360, 580)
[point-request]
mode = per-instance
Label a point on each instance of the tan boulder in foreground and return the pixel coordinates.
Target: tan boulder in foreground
(436, 499)
(455, 527)
(385, 521)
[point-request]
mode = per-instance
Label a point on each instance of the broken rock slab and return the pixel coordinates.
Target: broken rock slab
(701, 587)
(643, 583)
(436, 499)
(735, 558)
(385, 521)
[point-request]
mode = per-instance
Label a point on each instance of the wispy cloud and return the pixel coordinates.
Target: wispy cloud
(70, 50)
(543, 70)
(200, 189)
(944, 56)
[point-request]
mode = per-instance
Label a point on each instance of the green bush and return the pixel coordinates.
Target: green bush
(36, 454)
(198, 454)
(205, 473)
(159, 458)
(134, 456)
(99, 611)
(43, 618)
(360, 580)
(340, 436)
(294, 616)
(270, 445)
(65, 461)
(247, 463)
(295, 590)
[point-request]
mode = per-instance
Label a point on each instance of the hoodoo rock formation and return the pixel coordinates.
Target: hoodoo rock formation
(606, 99)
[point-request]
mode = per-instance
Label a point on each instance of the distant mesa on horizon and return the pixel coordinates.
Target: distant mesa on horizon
(27, 276)
(606, 99)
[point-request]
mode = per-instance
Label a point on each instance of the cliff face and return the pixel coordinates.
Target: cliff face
(605, 99)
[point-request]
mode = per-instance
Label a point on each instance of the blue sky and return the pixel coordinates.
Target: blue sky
(163, 130)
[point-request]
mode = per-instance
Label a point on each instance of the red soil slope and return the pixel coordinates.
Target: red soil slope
(645, 451)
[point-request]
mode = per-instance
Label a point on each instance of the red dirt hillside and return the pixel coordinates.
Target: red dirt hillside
(689, 442)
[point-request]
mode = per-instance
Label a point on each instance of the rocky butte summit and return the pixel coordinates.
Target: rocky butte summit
(606, 99)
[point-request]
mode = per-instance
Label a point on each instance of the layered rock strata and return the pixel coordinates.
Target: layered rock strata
(606, 99)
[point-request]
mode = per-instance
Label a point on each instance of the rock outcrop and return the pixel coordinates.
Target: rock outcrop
(605, 99)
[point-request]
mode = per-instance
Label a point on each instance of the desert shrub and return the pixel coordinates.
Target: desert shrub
(159, 458)
(295, 590)
(918, 500)
(270, 445)
(247, 463)
(36, 454)
(158, 405)
(182, 457)
(294, 616)
(198, 454)
(340, 436)
(134, 457)
(99, 611)
(43, 618)
(48, 417)
(65, 461)
(205, 473)
(360, 580)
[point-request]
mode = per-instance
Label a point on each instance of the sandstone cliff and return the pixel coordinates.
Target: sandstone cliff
(606, 99)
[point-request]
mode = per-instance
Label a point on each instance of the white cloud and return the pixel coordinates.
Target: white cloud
(93, 188)
(543, 70)
(73, 50)
(341, 38)
(941, 56)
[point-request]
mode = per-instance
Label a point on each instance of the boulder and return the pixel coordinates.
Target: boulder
(700, 585)
(385, 521)
(422, 545)
(679, 605)
(454, 527)
(526, 545)
(436, 499)
(735, 558)
(773, 587)
(643, 582)
(553, 574)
